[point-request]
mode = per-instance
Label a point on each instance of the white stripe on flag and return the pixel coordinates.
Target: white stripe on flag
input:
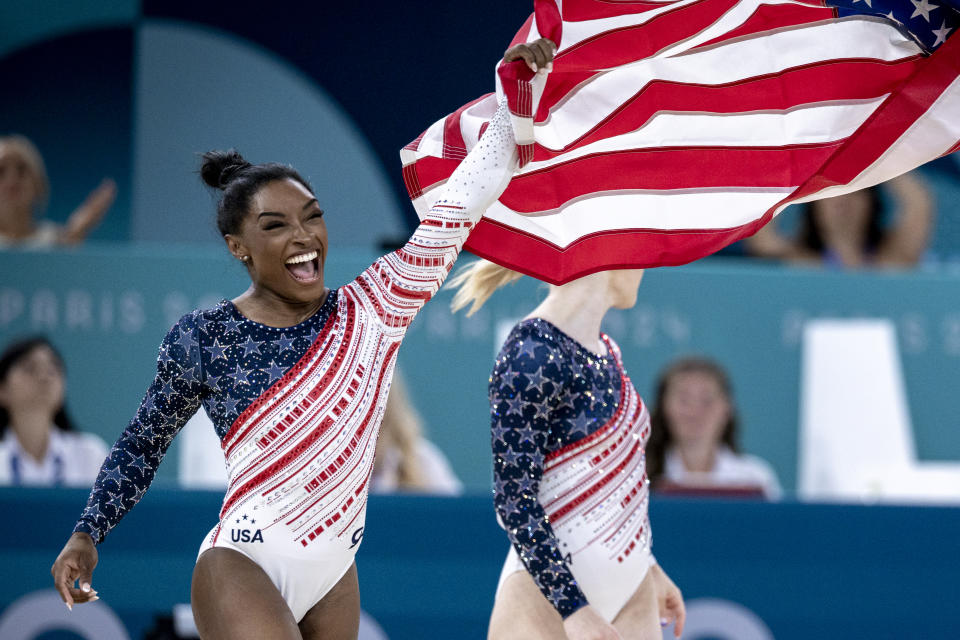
(826, 122)
(932, 134)
(576, 32)
(679, 209)
(606, 92)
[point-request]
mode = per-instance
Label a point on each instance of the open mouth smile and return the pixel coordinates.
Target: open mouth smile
(304, 267)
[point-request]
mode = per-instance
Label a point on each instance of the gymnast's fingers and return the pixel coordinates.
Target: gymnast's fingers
(62, 578)
(521, 51)
(539, 54)
(543, 50)
(679, 611)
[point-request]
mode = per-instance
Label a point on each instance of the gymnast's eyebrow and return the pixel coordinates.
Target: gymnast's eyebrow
(270, 213)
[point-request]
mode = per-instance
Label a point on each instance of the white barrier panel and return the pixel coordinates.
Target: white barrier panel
(856, 438)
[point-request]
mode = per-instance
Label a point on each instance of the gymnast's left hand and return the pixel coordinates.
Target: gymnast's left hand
(669, 601)
(76, 562)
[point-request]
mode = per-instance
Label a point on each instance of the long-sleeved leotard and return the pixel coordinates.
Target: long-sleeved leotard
(568, 431)
(298, 408)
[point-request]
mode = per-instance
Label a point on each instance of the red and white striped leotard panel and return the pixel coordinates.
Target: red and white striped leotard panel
(303, 452)
(595, 492)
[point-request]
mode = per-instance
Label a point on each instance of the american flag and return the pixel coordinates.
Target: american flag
(670, 129)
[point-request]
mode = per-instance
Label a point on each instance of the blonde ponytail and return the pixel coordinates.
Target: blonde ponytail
(477, 281)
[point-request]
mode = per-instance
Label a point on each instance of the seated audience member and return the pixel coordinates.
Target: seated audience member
(23, 193)
(693, 439)
(852, 231)
(38, 444)
(406, 461)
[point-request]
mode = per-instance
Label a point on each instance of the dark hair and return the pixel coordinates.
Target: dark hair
(13, 354)
(660, 436)
(239, 180)
(811, 236)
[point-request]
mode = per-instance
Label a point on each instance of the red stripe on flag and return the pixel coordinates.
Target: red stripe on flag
(768, 17)
(622, 46)
(579, 10)
(618, 249)
(549, 22)
(666, 168)
(891, 120)
(558, 87)
(453, 145)
(830, 80)
(430, 170)
(411, 181)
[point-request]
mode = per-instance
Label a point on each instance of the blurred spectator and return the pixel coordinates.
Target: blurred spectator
(406, 461)
(693, 444)
(852, 231)
(24, 190)
(38, 444)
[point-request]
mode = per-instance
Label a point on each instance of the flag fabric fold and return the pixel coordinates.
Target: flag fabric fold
(668, 130)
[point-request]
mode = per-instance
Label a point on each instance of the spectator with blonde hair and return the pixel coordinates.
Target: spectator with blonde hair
(24, 191)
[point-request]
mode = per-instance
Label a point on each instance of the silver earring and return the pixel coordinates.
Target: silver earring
(245, 258)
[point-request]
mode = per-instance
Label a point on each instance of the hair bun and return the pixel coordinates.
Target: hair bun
(220, 167)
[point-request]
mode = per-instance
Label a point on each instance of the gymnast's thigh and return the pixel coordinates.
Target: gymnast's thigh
(234, 599)
(337, 615)
(520, 612)
(639, 619)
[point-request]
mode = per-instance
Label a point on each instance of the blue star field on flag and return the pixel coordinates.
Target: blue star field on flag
(928, 22)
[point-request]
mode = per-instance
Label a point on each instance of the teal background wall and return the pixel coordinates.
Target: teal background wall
(109, 307)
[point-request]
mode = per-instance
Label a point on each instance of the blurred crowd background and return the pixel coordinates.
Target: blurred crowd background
(816, 362)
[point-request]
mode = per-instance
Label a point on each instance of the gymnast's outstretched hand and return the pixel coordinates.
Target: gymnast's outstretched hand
(537, 54)
(75, 564)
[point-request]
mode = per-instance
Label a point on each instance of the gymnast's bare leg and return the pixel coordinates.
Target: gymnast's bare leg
(234, 599)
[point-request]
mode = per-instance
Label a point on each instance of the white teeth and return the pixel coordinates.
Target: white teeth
(303, 257)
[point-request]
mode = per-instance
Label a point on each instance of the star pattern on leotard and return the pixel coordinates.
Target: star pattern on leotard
(546, 392)
(213, 358)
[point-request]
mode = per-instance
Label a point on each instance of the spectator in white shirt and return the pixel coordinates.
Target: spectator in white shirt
(38, 445)
(693, 444)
